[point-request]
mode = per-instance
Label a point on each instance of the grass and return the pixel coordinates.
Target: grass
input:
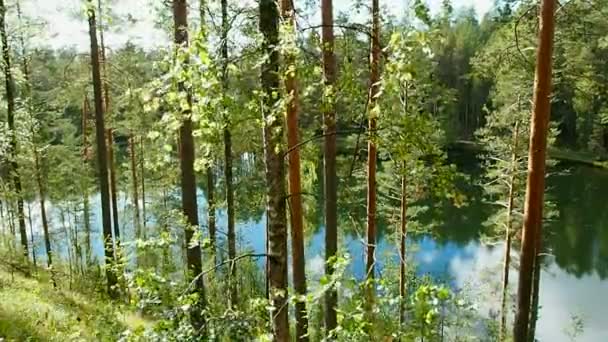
(32, 310)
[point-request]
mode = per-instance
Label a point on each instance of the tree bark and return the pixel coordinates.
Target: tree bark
(402, 240)
(329, 161)
(135, 184)
(42, 200)
(535, 296)
(85, 162)
(113, 192)
(275, 172)
(228, 159)
(533, 207)
(508, 237)
(295, 186)
(211, 212)
(188, 177)
(143, 184)
(106, 109)
(102, 155)
(29, 219)
(371, 149)
(10, 98)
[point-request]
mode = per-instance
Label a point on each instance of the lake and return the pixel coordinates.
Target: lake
(574, 278)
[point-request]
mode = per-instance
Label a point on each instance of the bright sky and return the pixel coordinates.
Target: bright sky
(67, 25)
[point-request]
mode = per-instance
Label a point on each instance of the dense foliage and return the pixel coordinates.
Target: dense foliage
(447, 80)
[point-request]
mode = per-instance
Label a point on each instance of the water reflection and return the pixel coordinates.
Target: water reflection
(573, 281)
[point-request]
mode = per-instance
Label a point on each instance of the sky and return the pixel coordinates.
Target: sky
(66, 25)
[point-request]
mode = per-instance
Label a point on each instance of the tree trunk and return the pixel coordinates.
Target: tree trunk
(136, 216)
(113, 192)
(211, 212)
(85, 195)
(508, 237)
(295, 187)
(535, 296)
(142, 161)
(402, 240)
(330, 173)
(228, 159)
(371, 149)
(10, 98)
(275, 173)
(106, 109)
(42, 199)
(29, 219)
(102, 155)
(535, 189)
(188, 178)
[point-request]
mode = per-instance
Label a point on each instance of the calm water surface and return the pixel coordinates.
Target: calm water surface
(574, 278)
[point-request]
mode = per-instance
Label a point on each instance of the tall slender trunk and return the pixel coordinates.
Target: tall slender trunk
(371, 148)
(27, 95)
(508, 237)
(106, 109)
(134, 184)
(102, 160)
(275, 172)
(295, 187)
(29, 219)
(42, 200)
(211, 222)
(402, 241)
(211, 212)
(228, 158)
(113, 192)
(68, 240)
(329, 161)
(142, 160)
(403, 225)
(188, 178)
(85, 195)
(535, 295)
(535, 189)
(77, 249)
(10, 98)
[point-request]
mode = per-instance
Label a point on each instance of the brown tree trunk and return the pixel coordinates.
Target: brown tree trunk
(136, 216)
(329, 161)
(188, 177)
(106, 109)
(142, 166)
(228, 159)
(102, 154)
(29, 219)
(535, 295)
(295, 187)
(10, 98)
(508, 237)
(371, 148)
(85, 195)
(535, 189)
(275, 173)
(113, 194)
(42, 199)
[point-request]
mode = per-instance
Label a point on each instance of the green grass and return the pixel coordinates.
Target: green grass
(32, 310)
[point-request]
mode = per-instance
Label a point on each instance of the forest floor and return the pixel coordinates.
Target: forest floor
(32, 310)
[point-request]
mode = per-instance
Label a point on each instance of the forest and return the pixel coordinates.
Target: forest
(304, 170)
